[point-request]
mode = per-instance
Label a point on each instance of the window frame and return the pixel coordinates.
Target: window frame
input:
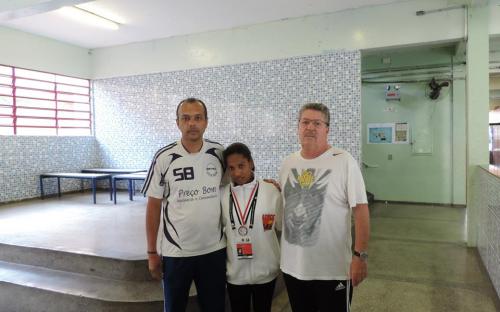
(55, 94)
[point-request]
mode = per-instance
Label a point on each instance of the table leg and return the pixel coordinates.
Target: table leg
(81, 185)
(114, 190)
(94, 189)
(110, 189)
(41, 187)
(59, 187)
(133, 186)
(130, 195)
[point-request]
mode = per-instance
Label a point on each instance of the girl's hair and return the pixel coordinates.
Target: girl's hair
(237, 148)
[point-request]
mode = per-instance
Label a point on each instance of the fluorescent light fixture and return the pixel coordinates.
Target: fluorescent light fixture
(98, 9)
(89, 18)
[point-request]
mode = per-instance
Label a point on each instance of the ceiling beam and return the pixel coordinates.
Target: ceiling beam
(11, 10)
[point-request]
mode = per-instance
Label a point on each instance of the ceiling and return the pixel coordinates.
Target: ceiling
(153, 19)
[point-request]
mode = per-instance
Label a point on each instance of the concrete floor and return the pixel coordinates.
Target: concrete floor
(72, 223)
(419, 262)
(418, 258)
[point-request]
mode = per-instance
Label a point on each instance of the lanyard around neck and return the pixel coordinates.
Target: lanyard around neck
(249, 208)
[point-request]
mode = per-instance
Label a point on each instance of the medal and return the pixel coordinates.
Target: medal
(243, 243)
(243, 230)
(243, 216)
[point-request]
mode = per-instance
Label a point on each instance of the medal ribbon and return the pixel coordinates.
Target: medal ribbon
(244, 217)
(250, 207)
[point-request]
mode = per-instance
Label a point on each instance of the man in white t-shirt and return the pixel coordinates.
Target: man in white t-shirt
(322, 185)
(183, 185)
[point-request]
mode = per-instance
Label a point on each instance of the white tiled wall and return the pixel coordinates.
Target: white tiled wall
(24, 158)
(254, 103)
(486, 195)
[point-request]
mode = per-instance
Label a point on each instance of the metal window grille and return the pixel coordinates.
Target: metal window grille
(40, 103)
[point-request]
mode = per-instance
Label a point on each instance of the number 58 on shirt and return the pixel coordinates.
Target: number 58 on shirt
(186, 173)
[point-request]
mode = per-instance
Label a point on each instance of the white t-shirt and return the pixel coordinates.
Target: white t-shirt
(264, 266)
(318, 195)
(189, 184)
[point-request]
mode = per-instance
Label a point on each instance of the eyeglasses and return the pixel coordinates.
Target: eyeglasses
(304, 123)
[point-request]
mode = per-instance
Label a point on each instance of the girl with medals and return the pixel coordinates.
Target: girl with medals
(251, 212)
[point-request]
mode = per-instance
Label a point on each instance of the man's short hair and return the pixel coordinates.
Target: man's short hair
(320, 107)
(237, 148)
(191, 100)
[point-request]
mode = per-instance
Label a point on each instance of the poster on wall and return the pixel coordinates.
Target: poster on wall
(380, 133)
(388, 133)
(401, 133)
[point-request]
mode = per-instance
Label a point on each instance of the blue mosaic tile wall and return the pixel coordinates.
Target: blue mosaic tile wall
(486, 197)
(254, 103)
(24, 158)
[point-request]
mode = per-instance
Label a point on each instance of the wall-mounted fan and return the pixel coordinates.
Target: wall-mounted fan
(435, 88)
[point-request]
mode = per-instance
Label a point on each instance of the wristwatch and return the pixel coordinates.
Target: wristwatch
(363, 255)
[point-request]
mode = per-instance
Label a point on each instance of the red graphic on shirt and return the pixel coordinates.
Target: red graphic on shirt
(267, 221)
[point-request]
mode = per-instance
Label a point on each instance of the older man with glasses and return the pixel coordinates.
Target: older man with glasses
(322, 187)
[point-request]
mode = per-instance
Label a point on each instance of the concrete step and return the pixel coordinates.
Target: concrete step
(33, 288)
(93, 265)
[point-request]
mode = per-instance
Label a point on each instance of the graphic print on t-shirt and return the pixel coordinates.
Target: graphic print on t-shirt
(304, 201)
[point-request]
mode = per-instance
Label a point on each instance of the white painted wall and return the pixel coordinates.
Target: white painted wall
(34, 52)
(364, 28)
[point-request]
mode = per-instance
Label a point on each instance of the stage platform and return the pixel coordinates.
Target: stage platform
(67, 254)
(73, 224)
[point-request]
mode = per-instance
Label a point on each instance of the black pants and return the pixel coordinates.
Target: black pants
(317, 295)
(209, 275)
(261, 296)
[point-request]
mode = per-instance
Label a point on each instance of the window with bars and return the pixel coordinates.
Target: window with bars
(40, 103)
